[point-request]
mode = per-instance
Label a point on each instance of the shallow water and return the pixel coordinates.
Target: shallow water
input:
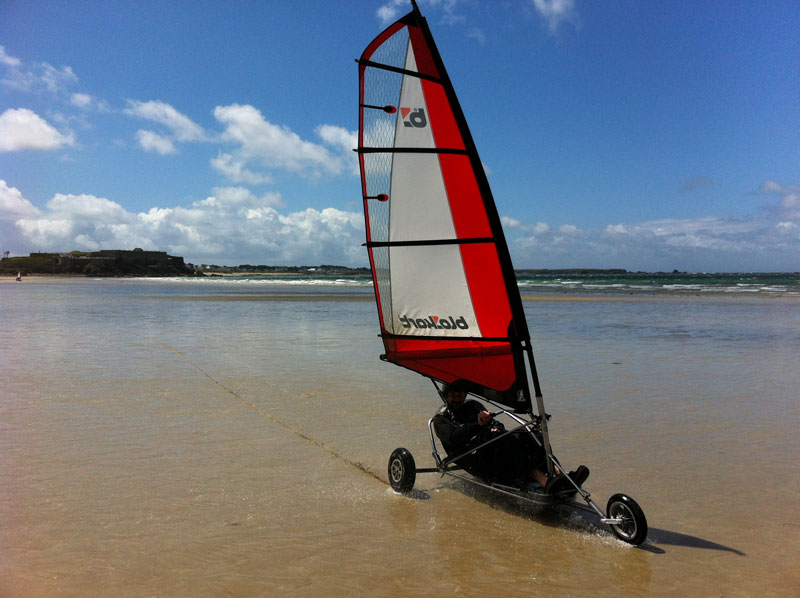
(172, 439)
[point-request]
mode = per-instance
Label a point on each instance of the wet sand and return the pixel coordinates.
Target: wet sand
(209, 446)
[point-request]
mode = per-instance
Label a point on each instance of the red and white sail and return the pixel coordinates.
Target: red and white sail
(447, 296)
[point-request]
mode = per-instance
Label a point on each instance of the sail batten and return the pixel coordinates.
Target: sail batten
(412, 150)
(446, 293)
(430, 242)
(402, 71)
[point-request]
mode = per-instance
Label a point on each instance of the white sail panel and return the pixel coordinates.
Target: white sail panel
(413, 128)
(419, 206)
(433, 300)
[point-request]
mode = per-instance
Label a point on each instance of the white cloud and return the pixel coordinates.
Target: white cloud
(13, 205)
(84, 101)
(477, 34)
(768, 241)
(235, 170)
(22, 129)
(556, 12)
(57, 79)
(240, 196)
(342, 140)
(8, 60)
(277, 147)
(180, 126)
(233, 225)
(153, 142)
(789, 205)
(539, 228)
(81, 100)
(40, 77)
(771, 187)
(390, 11)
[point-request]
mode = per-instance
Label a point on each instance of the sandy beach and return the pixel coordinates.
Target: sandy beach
(175, 440)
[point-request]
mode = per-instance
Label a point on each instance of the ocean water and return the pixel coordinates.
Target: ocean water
(600, 283)
(230, 437)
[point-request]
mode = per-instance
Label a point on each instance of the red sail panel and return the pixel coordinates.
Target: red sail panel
(448, 303)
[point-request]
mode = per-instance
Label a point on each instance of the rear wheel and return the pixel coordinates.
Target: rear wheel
(633, 527)
(402, 470)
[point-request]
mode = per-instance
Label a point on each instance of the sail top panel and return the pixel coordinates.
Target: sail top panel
(447, 298)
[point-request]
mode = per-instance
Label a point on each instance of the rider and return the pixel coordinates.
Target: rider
(515, 458)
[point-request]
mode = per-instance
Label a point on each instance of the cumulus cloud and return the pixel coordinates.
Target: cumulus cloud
(81, 100)
(342, 140)
(766, 241)
(788, 206)
(392, 9)
(35, 77)
(22, 129)
(153, 142)
(235, 170)
(8, 60)
(556, 12)
(178, 127)
(276, 147)
(232, 225)
(539, 228)
(13, 205)
(57, 79)
(389, 12)
(84, 101)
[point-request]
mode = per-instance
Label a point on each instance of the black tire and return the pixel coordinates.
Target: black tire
(402, 470)
(633, 528)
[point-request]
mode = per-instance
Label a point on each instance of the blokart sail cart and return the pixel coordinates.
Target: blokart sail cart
(446, 291)
(623, 514)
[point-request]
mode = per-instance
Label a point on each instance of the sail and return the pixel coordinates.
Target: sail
(447, 296)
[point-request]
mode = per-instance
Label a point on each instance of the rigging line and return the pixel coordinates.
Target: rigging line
(360, 466)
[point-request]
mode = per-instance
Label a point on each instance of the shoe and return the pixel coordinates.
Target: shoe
(579, 475)
(557, 484)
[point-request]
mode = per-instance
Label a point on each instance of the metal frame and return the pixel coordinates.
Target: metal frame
(448, 466)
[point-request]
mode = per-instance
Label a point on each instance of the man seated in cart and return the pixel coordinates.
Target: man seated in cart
(515, 459)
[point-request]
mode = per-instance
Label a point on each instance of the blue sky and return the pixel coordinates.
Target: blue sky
(620, 134)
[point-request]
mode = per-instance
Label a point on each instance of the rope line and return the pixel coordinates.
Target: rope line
(360, 466)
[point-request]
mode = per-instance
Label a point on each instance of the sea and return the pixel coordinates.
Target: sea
(229, 436)
(583, 282)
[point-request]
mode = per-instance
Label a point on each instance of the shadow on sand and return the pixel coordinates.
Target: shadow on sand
(565, 516)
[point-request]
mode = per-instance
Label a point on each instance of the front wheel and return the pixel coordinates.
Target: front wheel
(633, 528)
(402, 470)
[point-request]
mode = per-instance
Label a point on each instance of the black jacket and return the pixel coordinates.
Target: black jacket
(458, 429)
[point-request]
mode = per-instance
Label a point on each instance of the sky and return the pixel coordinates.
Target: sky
(648, 136)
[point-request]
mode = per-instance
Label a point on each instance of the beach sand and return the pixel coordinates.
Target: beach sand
(173, 440)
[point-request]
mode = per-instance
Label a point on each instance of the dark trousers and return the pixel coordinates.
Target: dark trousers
(508, 460)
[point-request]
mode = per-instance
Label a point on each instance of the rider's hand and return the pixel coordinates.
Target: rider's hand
(484, 417)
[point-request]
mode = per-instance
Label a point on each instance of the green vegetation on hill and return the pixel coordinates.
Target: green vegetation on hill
(115, 262)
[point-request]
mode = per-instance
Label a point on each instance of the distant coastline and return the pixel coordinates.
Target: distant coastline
(137, 263)
(105, 263)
